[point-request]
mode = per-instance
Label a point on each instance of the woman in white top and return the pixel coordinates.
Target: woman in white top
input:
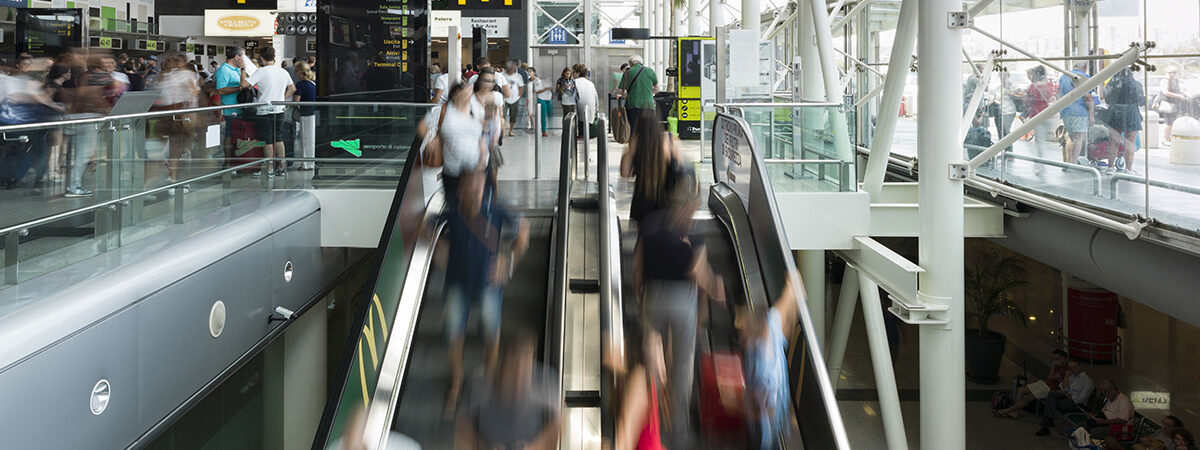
(178, 90)
(463, 149)
(544, 93)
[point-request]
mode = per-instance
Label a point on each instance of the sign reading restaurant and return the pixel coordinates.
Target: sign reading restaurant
(239, 22)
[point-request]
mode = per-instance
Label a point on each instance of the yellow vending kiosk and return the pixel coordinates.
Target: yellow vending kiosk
(697, 83)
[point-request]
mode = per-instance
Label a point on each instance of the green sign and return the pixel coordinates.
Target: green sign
(351, 147)
(106, 42)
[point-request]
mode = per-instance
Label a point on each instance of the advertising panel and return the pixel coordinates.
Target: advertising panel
(239, 23)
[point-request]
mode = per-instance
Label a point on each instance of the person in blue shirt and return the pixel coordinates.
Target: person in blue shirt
(764, 333)
(1073, 392)
(1078, 116)
(480, 267)
(228, 80)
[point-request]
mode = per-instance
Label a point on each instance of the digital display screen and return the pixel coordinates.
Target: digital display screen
(374, 50)
(49, 32)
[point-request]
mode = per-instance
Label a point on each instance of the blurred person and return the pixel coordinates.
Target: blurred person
(501, 81)
(291, 70)
(544, 93)
(1071, 397)
(1125, 97)
(212, 67)
(306, 91)
(638, 85)
(670, 272)
(654, 158)
(178, 90)
(461, 135)
(1077, 116)
(26, 101)
(521, 68)
(517, 407)
(152, 65)
(564, 89)
(1038, 96)
(970, 85)
(120, 75)
(482, 255)
(56, 87)
(586, 98)
(440, 83)
(1039, 389)
(515, 96)
(94, 97)
(468, 73)
(1162, 438)
(1005, 109)
(1174, 98)
(274, 85)
(641, 374)
(765, 337)
(136, 81)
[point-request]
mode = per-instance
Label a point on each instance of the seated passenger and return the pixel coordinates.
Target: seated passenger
(517, 407)
(1183, 440)
(764, 333)
(1073, 392)
(1162, 438)
(1039, 389)
(1117, 410)
(480, 270)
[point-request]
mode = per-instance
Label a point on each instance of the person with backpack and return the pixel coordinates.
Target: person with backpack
(638, 85)
(1125, 97)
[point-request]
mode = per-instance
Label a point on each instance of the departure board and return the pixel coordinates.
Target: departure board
(48, 32)
(376, 50)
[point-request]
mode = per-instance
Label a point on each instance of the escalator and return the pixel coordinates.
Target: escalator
(743, 236)
(393, 377)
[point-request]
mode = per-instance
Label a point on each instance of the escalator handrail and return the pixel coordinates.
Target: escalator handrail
(806, 322)
(612, 314)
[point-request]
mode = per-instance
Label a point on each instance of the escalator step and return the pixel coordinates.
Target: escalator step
(585, 203)
(577, 399)
(584, 286)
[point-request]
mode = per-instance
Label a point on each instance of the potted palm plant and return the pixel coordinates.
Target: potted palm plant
(989, 287)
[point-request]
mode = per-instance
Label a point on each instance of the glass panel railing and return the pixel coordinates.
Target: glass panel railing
(807, 147)
(82, 187)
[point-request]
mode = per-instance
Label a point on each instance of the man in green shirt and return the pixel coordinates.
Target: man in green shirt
(639, 85)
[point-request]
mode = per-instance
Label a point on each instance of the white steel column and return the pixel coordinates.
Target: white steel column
(812, 86)
(693, 18)
(751, 15)
(812, 271)
(881, 362)
(889, 102)
(942, 367)
(716, 16)
(587, 33)
(829, 72)
(847, 300)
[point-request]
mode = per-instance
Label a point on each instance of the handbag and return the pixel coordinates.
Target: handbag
(432, 155)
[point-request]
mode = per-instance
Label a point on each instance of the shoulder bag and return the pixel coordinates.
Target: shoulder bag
(432, 156)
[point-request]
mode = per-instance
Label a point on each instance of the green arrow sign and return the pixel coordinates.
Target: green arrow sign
(350, 147)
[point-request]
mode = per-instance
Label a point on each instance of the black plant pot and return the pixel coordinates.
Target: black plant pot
(984, 353)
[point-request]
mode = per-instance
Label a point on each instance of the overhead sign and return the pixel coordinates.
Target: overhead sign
(497, 27)
(243, 23)
(558, 35)
(1150, 400)
(150, 45)
(48, 32)
(106, 42)
(441, 21)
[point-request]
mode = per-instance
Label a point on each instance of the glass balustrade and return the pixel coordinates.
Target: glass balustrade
(806, 147)
(84, 187)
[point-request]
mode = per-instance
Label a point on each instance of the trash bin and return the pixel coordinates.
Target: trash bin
(664, 103)
(1185, 141)
(673, 125)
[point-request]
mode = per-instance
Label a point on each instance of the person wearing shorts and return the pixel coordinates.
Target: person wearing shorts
(1037, 390)
(1078, 116)
(480, 267)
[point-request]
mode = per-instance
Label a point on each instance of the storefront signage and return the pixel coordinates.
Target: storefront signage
(497, 27)
(153, 46)
(1150, 400)
(441, 21)
(247, 23)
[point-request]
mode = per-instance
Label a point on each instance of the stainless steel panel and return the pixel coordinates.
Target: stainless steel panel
(46, 398)
(299, 244)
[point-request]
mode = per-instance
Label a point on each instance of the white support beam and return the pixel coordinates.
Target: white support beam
(695, 28)
(979, 7)
(850, 14)
(716, 16)
(889, 104)
(940, 244)
(1022, 51)
(812, 271)
(751, 15)
(842, 323)
(1081, 89)
(881, 362)
(859, 63)
(829, 72)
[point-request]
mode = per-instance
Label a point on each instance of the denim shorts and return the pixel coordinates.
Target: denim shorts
(459, 300)
(1075, 124)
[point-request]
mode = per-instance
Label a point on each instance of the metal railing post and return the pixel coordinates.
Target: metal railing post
(537, 142)
(12, 242)
(178, 204)
(227, 189)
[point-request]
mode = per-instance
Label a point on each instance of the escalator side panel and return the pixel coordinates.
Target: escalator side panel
(358, 370)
